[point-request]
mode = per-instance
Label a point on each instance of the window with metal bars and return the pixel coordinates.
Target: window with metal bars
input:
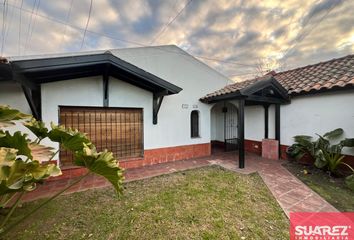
(194, 124)
(119, 130)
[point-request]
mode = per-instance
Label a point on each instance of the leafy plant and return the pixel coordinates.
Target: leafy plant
(349, 180)
(326, 154)
(8, 115)
(24, 162)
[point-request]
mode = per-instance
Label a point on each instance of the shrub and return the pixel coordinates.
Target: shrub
(327, 155)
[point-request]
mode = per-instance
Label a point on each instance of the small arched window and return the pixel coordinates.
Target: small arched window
(194, 124)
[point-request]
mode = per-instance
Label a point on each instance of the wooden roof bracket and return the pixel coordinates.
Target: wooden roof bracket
(156, 104)
(105, 78)
(32, 93)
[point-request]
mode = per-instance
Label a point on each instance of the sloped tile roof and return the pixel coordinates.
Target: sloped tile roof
(335, 73)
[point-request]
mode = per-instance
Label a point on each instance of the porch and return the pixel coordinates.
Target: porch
(228, 114)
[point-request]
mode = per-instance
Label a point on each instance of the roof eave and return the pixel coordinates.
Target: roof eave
(70, 62)
(223, 97)
(322, 90)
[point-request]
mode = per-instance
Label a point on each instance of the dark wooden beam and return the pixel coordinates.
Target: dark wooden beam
(32, 92)
(265, 99)
(23, 81)
(37, 99)
(241, 133)
(5, 72)
(156, 104)
(230, 96)
(106, 86)
(33, 98)
(277, 125)
(161, 93)
(266, 120)
(65, 75)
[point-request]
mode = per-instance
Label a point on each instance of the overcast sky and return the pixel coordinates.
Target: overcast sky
(247, 37)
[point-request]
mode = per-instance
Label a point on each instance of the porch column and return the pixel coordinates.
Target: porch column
(241, 133)
(266, 117)
(277, 125)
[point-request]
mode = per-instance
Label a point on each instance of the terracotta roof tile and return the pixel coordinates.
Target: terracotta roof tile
(321, 76)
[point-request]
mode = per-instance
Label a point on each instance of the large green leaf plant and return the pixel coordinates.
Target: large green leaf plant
(25, 163)
(327, 153)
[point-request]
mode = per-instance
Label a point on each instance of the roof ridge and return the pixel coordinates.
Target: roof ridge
(315, 64)
(259, 78)
(294, 69)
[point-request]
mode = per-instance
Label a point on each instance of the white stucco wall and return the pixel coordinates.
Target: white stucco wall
(217, 123)
(318, 114)
(11, 94)
(254, 122)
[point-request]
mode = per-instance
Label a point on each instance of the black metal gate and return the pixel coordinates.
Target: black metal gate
(230, 127)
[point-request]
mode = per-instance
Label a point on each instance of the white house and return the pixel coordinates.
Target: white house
(157, 104)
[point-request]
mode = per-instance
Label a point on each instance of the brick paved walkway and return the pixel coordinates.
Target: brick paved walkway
(291, 193)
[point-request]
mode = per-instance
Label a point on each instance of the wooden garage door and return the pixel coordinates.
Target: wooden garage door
(119, 130)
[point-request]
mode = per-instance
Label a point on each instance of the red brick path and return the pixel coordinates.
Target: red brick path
(291, 194)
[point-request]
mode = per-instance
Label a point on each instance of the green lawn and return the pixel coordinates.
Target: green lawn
(205, 203)
(332, 189)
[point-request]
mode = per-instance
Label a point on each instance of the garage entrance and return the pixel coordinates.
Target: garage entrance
(120, 130)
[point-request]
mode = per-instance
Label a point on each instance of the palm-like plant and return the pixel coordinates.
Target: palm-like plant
(326, 154)
(350, 181)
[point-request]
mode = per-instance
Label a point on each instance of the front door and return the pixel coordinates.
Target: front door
(230, 127)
